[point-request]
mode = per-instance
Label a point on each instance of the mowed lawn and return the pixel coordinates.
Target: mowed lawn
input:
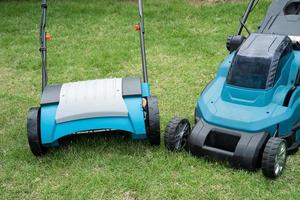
(94, 39)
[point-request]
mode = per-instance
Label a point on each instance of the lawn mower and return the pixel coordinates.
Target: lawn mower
(249, 114)
(114, 104)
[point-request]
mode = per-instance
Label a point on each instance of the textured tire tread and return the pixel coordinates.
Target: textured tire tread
(268, 158)
(170, 137)
(33, 132)
(153, 121)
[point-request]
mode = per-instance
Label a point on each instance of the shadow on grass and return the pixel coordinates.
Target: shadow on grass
(113, 142)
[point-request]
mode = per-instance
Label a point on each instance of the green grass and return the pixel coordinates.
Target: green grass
(95, 39)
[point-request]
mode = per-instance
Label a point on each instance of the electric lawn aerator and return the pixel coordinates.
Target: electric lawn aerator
(249, 115)
(94, 105)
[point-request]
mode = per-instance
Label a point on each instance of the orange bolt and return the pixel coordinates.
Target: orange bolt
(48, 36)
(137, 27)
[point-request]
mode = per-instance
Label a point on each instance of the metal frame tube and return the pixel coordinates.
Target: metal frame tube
(43, 42)
(246, 15)
(142, 42)
(43, 48)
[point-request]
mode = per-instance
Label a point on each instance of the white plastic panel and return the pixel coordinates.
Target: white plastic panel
(90, 99)
(295, 38)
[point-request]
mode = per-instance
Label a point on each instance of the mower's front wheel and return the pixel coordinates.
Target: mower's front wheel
(274, 157)
(34, 133)
(152, 120)
(177, 133)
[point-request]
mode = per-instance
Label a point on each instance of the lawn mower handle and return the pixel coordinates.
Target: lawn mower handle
(246, 15)
(43, 48)
(142, 42)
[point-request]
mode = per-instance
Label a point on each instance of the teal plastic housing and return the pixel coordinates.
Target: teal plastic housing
(253, 110)
(134, 123)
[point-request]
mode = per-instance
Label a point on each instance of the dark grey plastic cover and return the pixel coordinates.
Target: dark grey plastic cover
(131, 86)
(51, 94)
(257, 62)
(283, 17)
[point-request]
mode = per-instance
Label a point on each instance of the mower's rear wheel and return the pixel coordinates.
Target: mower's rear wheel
(177, 133)
(274, 157)
(152, 120)
(34, 133)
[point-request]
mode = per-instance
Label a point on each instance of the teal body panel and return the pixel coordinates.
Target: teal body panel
(253, 110)
(146, 89)
(134, 123)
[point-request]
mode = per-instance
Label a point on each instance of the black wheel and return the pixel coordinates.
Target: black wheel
(274, 157)
(152, 121)
(177, 133)
(33, 132)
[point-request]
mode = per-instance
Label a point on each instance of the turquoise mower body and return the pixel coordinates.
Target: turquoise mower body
(241, 109)
(249, 114)
(274, 110)
(254, 97)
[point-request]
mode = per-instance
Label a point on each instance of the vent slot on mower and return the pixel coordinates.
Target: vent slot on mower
(222, 141)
